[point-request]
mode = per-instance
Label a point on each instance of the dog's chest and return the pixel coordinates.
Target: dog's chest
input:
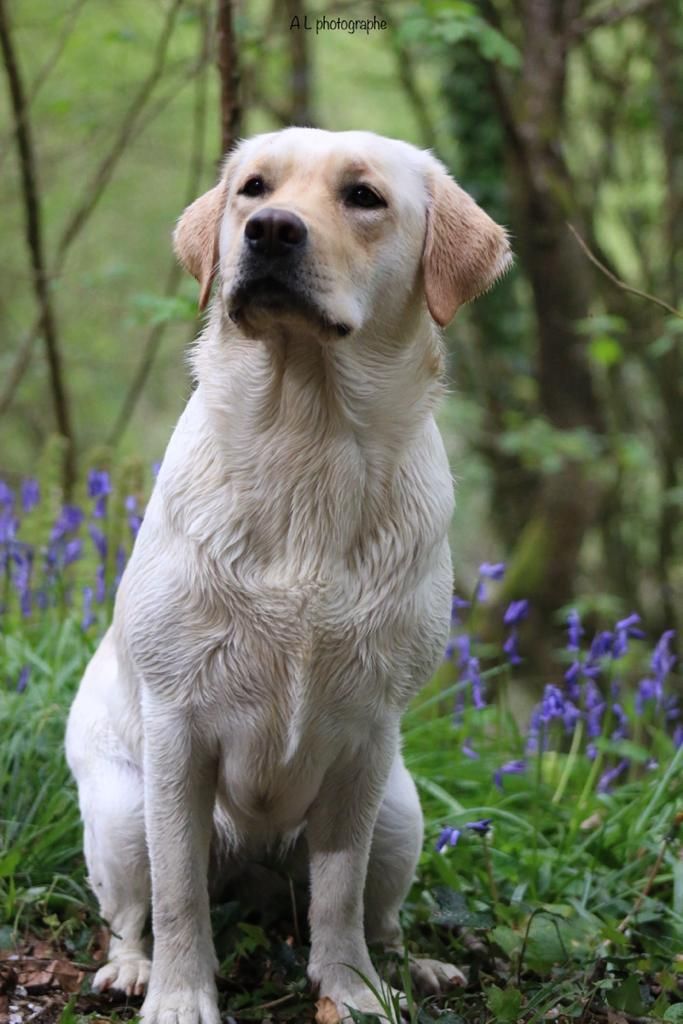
(304, 687)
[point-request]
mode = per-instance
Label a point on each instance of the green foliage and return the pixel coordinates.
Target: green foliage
(443, 23)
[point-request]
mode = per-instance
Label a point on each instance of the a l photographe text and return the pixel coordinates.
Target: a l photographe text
(323, 23)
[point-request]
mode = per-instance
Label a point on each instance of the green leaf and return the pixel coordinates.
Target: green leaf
(674, 1013)
(504, 1003)
(453, 911)
(627, 997)
(605, 350)
(623, 748)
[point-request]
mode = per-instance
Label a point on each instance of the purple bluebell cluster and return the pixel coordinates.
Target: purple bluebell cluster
(450, 836)
(592, 691)
(74, 566)
(589, 698)
(460, 645)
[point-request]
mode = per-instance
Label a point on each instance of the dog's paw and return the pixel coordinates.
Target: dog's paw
(180, 1006)
(129, 974)
(432, 977)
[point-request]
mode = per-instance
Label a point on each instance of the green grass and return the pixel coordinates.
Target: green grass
(572, 907)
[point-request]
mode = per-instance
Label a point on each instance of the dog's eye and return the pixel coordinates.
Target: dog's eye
(363, 196)
(253, 187)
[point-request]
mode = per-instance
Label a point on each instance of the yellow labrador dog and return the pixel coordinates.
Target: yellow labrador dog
(290, 586)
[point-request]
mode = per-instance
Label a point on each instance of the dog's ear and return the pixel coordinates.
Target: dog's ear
(464, 251)
(195, 238)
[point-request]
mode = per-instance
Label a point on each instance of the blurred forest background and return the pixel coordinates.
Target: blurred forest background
(563, 118)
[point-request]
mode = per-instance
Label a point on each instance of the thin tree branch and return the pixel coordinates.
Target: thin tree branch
(228, 75)
(174, 277)
(408, 79)
(92, 192)
(46, 70)
(34, 241)
(618, 282)
(21, 363)
(582, 27)
(131, 124)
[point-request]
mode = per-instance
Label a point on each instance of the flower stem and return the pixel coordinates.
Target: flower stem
(570, 762)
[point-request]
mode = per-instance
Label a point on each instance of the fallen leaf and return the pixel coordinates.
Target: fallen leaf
(593, 821)
(66, 975)
(326, 1012)
(43, 950)
(37, 977)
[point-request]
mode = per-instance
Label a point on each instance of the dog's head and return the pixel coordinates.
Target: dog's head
(327, 232)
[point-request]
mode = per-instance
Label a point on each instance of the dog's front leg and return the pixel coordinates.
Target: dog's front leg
(180, 785)
(339, 832)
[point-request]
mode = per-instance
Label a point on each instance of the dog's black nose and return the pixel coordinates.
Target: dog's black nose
(273, 232)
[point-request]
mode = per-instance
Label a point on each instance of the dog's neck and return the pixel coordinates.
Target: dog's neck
(303, 452)
(296, 391)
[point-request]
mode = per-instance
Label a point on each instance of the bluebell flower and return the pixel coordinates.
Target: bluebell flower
(571, 680)
(73, 550)
(99, 483)
(492, 570)
(6, 495)
(552, 705)
(574, 630)
(68, 521)
(88, 614)
(459, 644)
(649, 690)
(22, 682)
(621, 729)
(600, 648)
(156, 466)
(469, 751)
(482, 827)
(595, 706)
(22, 557)
(448, 837)
(474, 677)
(135, 519)
(511, 648)
(663, 659)
(570, 715)
(534, 730)
(509, 768)
(30, 494)
(516, 612)
(626, 629)
(463, 645)
(608, 778)
(120, 565)
(9, 525)
(678, 736)
(99, 488)
(100, 584)
(488, 571)
(672, 710)
(99, 540)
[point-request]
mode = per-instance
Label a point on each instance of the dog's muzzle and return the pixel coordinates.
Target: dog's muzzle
(272, 274)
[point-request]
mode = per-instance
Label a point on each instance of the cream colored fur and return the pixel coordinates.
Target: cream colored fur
(289, 589)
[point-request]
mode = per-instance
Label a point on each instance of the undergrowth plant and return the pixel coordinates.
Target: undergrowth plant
(551, 870)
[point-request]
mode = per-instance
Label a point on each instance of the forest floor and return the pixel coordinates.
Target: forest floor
(551, 874)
